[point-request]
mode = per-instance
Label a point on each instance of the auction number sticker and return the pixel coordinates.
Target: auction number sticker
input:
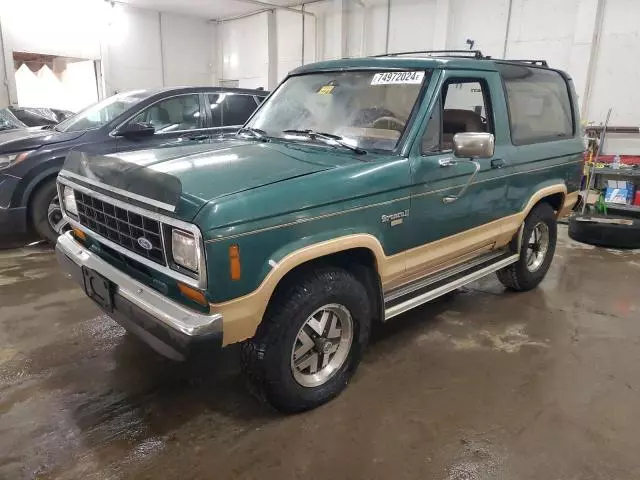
(395, 78)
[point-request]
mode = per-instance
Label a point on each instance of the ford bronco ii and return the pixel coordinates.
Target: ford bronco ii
(361, 188)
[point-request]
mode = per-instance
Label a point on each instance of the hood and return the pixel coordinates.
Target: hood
(30, 139)
(183, 179)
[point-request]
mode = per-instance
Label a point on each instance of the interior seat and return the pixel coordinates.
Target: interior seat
(459, 121)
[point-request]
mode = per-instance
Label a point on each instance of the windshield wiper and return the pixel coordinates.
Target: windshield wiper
(328, 137)
(255, 133)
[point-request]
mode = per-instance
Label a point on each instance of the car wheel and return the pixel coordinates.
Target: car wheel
(310, 341)
(536, 252)
(608, 235)
(46, 214)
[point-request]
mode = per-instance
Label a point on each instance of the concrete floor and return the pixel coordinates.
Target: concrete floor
(483, 384)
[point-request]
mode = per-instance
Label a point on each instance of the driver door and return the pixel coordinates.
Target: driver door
(467, 225)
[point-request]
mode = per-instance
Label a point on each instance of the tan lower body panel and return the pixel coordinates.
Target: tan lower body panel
(570, 201)
(241, 316)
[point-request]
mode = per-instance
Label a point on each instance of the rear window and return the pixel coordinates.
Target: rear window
(539, 104)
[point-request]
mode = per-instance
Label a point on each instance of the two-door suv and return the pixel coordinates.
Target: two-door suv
(360, 188)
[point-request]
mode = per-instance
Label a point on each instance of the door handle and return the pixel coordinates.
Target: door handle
(498, 163)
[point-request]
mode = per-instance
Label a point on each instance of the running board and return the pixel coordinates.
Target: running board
(427, 290)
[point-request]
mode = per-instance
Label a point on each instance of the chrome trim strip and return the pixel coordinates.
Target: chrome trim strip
(200, 282)
(168, 312)
(443, 289)
(436, 277)
(119, 191)
(305, 220)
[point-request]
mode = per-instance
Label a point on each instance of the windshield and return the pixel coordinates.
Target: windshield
(367, 109)
(102, 112)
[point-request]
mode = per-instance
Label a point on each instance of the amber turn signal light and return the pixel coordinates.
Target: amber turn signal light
(234, 262)
(79, 234)
(192, 294)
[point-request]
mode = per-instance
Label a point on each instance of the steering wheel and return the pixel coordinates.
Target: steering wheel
(395, 123)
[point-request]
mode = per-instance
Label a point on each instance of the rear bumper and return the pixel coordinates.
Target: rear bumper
(168, 327)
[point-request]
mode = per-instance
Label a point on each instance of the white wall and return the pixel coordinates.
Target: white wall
(245, 51)
(189, 54)
(560, 31)
(137, 48)
(617, 76)
(133, 53)
(289, 41)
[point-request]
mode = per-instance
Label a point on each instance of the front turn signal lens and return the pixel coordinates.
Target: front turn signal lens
(234, 262)
(79, 234)
(192, 294)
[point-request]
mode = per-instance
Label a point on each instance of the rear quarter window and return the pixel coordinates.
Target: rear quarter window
(539, 104)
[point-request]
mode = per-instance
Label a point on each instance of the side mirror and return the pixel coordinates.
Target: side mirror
(473, 145)
(135, 130)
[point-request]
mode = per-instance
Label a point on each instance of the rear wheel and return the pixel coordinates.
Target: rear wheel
(310, 342)
(46, 214)
(536, 251)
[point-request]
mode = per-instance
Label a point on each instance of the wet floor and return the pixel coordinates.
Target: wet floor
(483, 384)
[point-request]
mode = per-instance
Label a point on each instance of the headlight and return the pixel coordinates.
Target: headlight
(184, 249)
(11, 158)
(69, 200)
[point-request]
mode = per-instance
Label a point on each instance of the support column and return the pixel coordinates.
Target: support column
(441, 23)
(272, 50)
(590, 13)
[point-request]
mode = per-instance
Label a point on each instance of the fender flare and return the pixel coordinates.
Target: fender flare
(242, 315)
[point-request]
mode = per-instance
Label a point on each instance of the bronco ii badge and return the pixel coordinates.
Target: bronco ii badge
(395, 218)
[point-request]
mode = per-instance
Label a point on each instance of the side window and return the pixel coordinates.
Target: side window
(230, 109)
(238, 109)
(466, 109)
(539, 104)
(173, 114)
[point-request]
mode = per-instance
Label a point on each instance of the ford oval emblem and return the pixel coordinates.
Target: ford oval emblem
(144, 243)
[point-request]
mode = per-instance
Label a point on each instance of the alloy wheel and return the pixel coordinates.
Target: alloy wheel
(54, 215)
(537, 246)
(322, 345)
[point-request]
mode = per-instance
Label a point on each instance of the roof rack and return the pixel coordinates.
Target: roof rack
(542, 63)
(448, 53)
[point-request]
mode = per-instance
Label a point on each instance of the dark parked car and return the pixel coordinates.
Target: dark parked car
(30, 160)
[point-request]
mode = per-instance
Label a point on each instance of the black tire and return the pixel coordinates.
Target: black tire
(609, 235)
(267, 357)
(518, 275)
(39, 209)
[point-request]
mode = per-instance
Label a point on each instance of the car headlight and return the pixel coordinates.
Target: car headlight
(11, 158)
(69, 201)
(184, 248)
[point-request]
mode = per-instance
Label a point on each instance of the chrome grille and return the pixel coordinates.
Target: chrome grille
(121, 226)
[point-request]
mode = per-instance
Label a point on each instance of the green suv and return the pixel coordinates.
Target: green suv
(361, 188)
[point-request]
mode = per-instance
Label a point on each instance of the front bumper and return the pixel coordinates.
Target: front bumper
(13, 221)
(171, 329)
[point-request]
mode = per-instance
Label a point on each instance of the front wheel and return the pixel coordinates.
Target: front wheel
(310, 342)
(536, 250)
(46, 214)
